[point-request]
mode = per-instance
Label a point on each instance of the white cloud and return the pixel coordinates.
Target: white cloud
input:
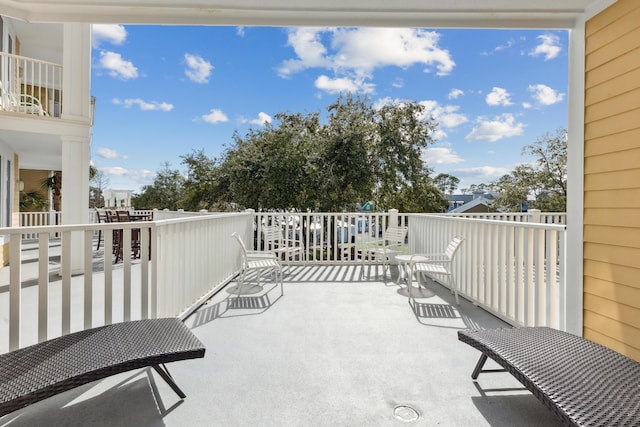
(198, 69)
(480, 174)
(438, 134)
(455, 93)
(108, 153)
(343, 84)
(507, 45)
(118, 67)
(309, 49)
(215, 116)
(549, 47)
(443, 155)
(526, 105)
(510, 43)
(108, 33)
(140, 176)
(446, 115)
(355, 53)
(143, 105)
(498, 96)
(262, 119)
(503, 126)
(115, 171)
(544, 95)
(398, 83)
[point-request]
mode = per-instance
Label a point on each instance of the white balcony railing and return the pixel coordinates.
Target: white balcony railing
(328, 238)
(533, 215)
(38, 219)
(30, 86)
(181, 262)
(515, 270)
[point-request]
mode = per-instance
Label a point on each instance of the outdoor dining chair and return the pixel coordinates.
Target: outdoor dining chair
(285, 250)
(438, 264)
(257, 261)
(391, 242)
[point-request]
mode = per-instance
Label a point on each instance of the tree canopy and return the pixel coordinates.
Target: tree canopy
(354, 153)
(545, 180)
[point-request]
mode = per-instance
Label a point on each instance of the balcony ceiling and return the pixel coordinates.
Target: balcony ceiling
(422, 13)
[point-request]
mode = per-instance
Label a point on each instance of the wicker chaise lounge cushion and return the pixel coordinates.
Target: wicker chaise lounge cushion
(42, 370)
(583, 383)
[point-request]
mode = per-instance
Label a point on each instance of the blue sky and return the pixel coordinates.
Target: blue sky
(163, 91)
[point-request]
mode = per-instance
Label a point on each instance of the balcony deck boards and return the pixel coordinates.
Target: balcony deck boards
(335, 350)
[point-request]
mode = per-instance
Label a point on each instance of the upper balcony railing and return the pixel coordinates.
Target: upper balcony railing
(515, 270)
(30, 86)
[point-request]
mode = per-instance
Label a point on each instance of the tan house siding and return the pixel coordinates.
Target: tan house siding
(33, 181)
(612, 179)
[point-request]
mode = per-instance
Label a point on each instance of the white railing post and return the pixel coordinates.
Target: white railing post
(535, 216)
(393, 217)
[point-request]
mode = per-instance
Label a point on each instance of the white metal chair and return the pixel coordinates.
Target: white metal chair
(388, 245)
(275, 242)
(439, 264)
(257, 261)
(21, 103)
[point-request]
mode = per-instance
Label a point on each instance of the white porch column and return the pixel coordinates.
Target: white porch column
(573, 298)
(76, 77)
(76, 149)
(76, 153)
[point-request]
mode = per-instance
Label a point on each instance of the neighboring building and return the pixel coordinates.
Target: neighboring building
(476, 202)
(117, 198)
(45, 114)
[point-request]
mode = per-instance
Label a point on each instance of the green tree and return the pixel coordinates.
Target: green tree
(200, 186)
(345, 169)
(421, 196)
(446, 183)
(270, 168)
(53, 183)
(401, 136)
(542, 184)
(476, 187)
(296, 162)
(551, 175)
(514, 189)
(32, 201)
(98, 182)
(165, 192)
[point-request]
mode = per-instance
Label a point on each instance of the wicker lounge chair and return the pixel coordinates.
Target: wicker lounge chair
(583, 383)
(34, 373)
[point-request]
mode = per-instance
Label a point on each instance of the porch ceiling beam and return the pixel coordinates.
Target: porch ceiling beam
(413, 13)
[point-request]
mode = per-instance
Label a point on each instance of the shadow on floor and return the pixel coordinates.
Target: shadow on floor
(130, 399)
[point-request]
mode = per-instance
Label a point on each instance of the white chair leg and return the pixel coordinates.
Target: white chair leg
(410, 285)
(454, 289)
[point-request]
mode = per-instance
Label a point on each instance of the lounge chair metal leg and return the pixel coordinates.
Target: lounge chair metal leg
(164, 373)
(479, 366)
(478, 369)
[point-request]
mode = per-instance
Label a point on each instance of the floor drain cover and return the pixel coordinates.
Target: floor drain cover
(405, 413)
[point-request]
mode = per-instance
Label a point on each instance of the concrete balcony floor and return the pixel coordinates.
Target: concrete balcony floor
(334, 350)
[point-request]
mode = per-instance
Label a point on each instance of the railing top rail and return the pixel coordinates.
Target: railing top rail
(22, 57)
(198, 217)
(74, 227)
(559, 227)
